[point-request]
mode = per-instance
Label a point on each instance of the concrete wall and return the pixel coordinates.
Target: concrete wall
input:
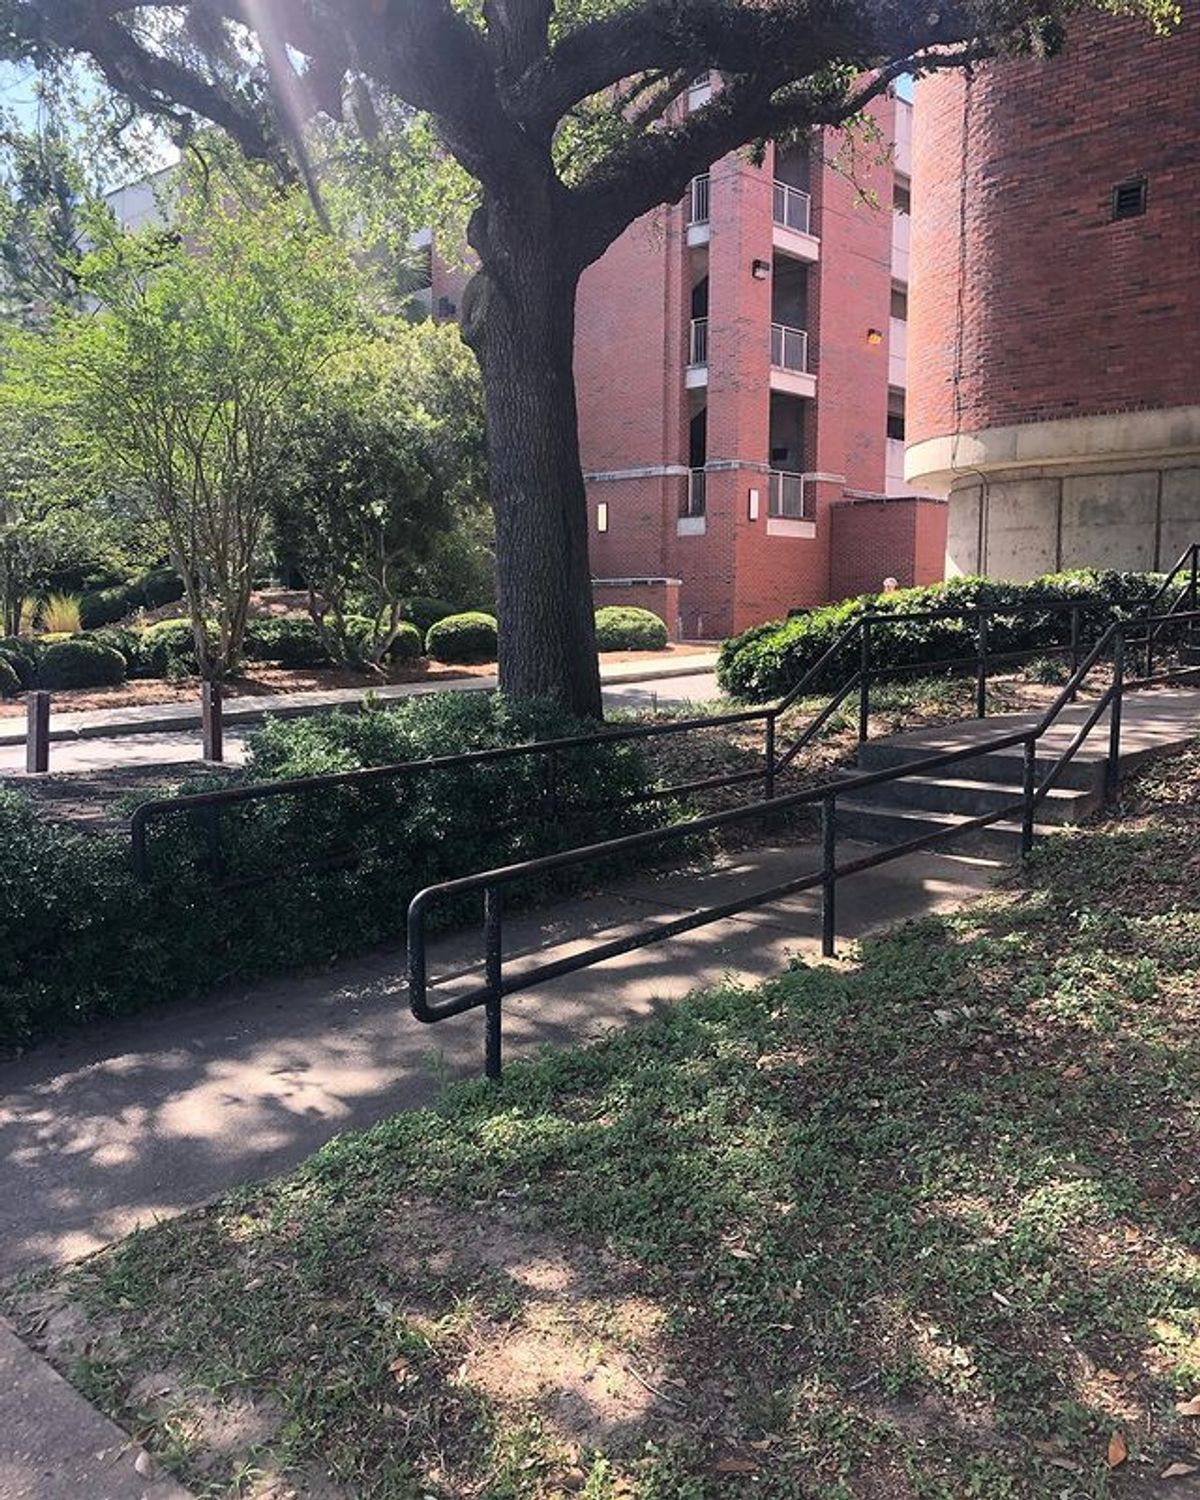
(1023, 526)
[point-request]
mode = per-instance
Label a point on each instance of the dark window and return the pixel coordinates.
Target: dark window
(895, 416)
(899, 304)
(1129, 199)
(902, 197)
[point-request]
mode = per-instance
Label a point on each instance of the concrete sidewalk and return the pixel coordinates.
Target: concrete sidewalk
(165, 718)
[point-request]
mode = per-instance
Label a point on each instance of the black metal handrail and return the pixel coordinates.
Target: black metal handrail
(859, 632)
(492, 883)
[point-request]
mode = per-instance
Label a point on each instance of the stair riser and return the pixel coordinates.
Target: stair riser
(931, 796)
(885, 827)
(1006, 770)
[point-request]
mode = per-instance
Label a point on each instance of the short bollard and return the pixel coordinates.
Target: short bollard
(37, 735)
(212, 716)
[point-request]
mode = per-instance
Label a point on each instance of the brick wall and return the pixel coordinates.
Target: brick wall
(903, 538)
(1065, 313)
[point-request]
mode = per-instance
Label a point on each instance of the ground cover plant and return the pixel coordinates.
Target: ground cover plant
(921, 1226)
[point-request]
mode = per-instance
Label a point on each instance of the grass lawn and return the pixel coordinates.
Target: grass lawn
(922, 1225)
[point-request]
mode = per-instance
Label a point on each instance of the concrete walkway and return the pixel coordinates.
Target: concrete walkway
(166, 718)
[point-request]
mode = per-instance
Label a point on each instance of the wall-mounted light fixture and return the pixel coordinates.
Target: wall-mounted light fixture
(760, 269)
(874, 336)
(602, 516)
(752, 506)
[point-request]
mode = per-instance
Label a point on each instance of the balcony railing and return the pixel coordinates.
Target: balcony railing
(788, 498)
(698, 206)
(694, 496)
(792, 208)
(789, 348)
(698, 342)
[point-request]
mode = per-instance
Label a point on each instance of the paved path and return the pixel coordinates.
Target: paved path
(168, 747)
(144, 1117)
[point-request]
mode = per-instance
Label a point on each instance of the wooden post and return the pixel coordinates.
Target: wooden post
(37, 735)
(212, 721)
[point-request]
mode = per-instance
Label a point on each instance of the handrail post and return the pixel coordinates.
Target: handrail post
(1112, 777)
(1030, 795)
(1074, 648)
(769, 755)
(493, 939)
(37, 733)
(981, 670)
(828, 875)
(864, 684)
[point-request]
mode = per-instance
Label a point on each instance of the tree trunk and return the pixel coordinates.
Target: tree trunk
(519, 317)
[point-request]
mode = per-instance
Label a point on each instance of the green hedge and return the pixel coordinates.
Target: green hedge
(406, 645)
(79, 937)
(289, 640)
(766, 661)
(149, 590)
(10, 683)
(80, 663)
(425, 613)
(167, 649)
(625, 628)
(466, 638)
(21, 654)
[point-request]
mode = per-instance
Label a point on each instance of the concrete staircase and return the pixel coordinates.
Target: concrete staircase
(893, 812)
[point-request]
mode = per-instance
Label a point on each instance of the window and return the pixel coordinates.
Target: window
(900, 304)
(902, 197)
(895, 415)
(1129, 199)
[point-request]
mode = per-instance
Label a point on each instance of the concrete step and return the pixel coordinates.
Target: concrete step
(1084, 773)
(969, 797)
(880, 824)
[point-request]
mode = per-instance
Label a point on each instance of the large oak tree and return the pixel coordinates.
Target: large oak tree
(566, 116)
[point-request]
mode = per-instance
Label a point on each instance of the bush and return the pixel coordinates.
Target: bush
(122, 638)
(10, 682)
(425, 613)
(60, 612)
(149, 590)
(21, 653)
(80, 663)
(168, 649)
(768, 660)
(360, 634)
(80, 937)
(624, 628)
(463, 638)
(291, 641)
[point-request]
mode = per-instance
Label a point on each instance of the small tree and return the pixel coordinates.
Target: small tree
(386, 468)
(190, 381)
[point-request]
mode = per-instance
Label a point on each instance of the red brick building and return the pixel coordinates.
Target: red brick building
(1056, 303)
(741, 374)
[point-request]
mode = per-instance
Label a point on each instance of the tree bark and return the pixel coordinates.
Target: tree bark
(519, 317)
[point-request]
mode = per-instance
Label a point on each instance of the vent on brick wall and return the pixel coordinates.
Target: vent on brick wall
(1129, 199)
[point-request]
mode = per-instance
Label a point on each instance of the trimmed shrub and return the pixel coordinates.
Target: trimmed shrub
(766, 661)
(80, 663)
(168, 649)
(622, 627)
(80, 937)
(462, 639)
(360, 637)
(425, 613)
(122, 638)
(291, 640)
(21, 653)
(149, 590)
(10, 683)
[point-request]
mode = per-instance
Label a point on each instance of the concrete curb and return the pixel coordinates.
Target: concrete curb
(54, 1445)
(174, 718)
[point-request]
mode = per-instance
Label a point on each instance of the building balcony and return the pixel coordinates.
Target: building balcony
(791, 233)
(789, 361)
(790, 497)
(693, 506)
(697, 365)
(698, 226)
